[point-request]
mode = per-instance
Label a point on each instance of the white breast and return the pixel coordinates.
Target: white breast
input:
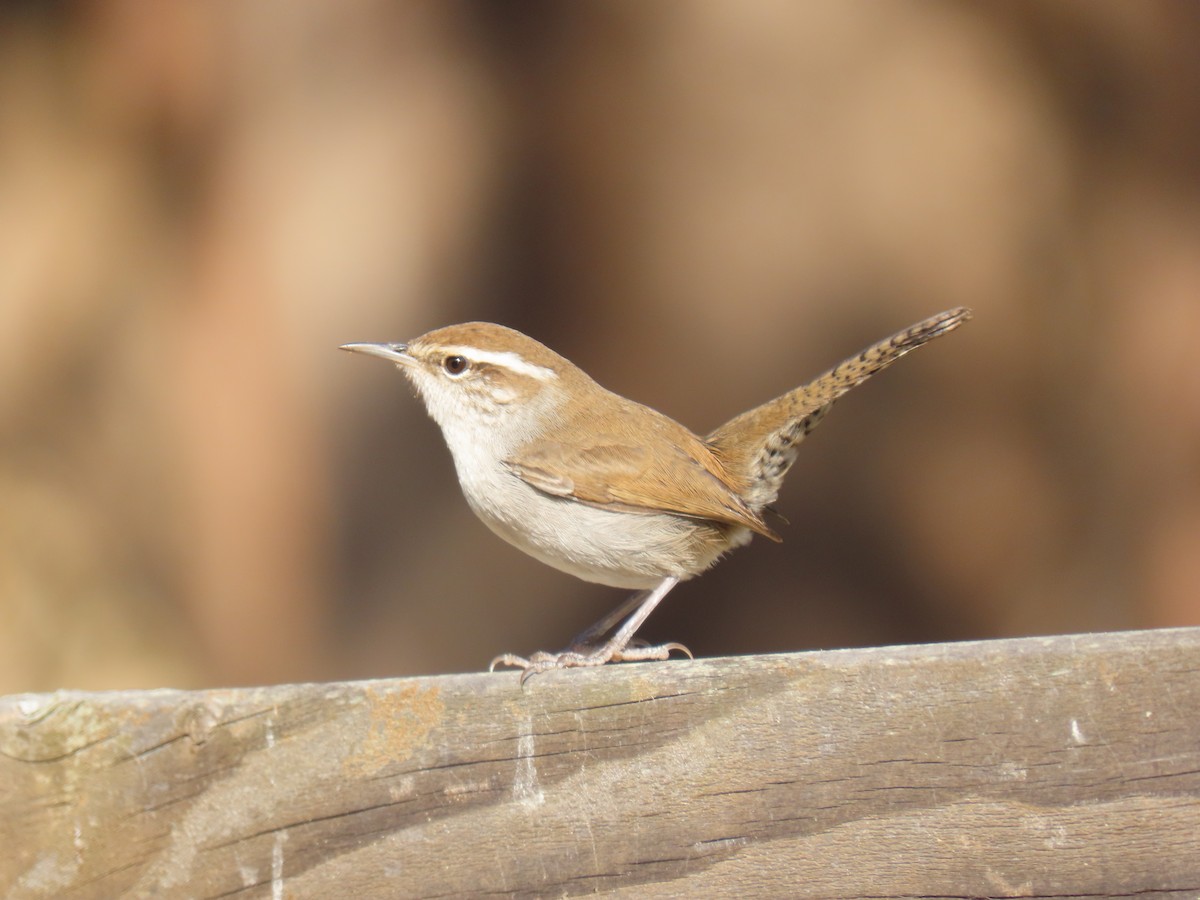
(616, 548)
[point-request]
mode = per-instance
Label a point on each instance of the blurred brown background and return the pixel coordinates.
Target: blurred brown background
(701, 202)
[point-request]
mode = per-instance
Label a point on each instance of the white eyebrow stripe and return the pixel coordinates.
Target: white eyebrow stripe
(505, 359)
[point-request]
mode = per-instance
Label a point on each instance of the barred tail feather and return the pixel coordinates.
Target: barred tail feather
(758, 447)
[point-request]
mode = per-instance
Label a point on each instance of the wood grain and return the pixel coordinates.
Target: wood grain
(1065, 766)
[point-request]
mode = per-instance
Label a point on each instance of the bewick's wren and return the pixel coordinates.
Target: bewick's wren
(602, 487)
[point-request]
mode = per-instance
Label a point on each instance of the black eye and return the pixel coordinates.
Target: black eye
(455, 365)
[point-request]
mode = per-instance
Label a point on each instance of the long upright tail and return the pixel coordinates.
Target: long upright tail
(758, 447)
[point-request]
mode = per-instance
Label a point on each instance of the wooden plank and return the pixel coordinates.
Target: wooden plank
(1066, 766)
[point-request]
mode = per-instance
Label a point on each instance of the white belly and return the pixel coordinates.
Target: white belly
(619, 549)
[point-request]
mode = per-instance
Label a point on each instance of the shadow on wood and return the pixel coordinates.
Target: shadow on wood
(1063, 766)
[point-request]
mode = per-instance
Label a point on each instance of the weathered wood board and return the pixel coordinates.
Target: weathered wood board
(1065, 766)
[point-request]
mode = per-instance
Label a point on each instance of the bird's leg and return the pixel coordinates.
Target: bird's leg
(615, 649)
(588, 637)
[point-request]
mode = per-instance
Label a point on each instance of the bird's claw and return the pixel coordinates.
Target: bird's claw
(584, 657)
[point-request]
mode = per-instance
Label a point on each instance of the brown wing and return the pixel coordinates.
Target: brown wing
(678, 476)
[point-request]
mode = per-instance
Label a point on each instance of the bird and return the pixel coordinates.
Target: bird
(603, 487)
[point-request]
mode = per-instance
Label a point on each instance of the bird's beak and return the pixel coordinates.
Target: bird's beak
(391, 352)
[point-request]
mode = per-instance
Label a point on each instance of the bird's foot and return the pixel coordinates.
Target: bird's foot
(640, 651)
(583, 657)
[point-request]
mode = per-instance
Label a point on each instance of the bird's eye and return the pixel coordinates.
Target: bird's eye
(455, 365)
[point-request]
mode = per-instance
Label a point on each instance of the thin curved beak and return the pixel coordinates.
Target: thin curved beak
(391, 352)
